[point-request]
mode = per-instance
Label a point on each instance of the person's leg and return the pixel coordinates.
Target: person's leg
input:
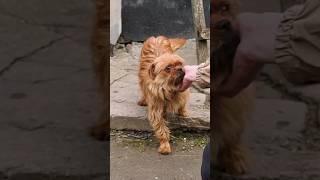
(205, 167)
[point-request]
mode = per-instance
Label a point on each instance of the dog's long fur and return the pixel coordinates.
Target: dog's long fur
(231, 114)
(160, 74)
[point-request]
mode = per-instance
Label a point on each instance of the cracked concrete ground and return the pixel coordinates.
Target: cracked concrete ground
(134, 156)
(284, 134)
(48, 93)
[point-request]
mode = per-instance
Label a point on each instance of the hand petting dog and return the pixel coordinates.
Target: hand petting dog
(189, 77)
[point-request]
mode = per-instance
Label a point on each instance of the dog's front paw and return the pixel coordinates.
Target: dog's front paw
(235, 163)
(239, 167)
(142, 102)
(183, 113)
(164, 148)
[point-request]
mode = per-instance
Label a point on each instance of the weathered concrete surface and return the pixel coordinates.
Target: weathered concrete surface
(277, 143)
(150, 165)
(283, 136)
(48, 93)
(283, 118)
(136, 159)
(274, 138)
(125, 93)
(264, 91)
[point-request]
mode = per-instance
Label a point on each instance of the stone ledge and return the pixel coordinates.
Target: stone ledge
(135, 118)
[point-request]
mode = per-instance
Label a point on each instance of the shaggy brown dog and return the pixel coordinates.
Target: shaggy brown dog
(100, 54)
(230, 114)
(161, 74)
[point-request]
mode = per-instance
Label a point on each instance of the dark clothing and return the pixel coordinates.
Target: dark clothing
(297, 48)
(205, 167)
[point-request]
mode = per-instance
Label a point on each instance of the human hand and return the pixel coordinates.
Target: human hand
(257, 34)
(189, 77)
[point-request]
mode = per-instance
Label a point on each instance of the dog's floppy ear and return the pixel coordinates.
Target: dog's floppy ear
(151, 71)
(177, 43)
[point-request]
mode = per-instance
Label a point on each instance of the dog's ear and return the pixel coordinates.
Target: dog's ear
(177, 43)
(151, 71)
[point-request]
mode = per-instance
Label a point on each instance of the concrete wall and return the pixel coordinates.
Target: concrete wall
(144, 18)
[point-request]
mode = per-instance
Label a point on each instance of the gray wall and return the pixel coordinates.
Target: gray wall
(144, 18)
(173, 18)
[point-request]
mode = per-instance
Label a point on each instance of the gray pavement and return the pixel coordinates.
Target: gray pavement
(137, 158)
(48, 93)
(283, 135)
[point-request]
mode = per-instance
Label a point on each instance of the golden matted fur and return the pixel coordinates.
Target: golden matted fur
(230, 114)
(160, 76)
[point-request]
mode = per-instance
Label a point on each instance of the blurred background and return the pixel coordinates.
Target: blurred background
(48, 92)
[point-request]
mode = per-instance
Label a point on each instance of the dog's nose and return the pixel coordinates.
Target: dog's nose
(180, 69)
(223, 25)
(181, 72)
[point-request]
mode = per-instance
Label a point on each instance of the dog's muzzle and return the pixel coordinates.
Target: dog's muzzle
(180, 76)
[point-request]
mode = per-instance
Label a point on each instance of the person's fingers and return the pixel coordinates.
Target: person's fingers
(190, 72)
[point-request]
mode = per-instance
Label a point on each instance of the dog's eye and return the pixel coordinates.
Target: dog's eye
(168, 69)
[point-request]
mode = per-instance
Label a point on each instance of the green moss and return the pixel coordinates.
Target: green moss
(181, 141)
